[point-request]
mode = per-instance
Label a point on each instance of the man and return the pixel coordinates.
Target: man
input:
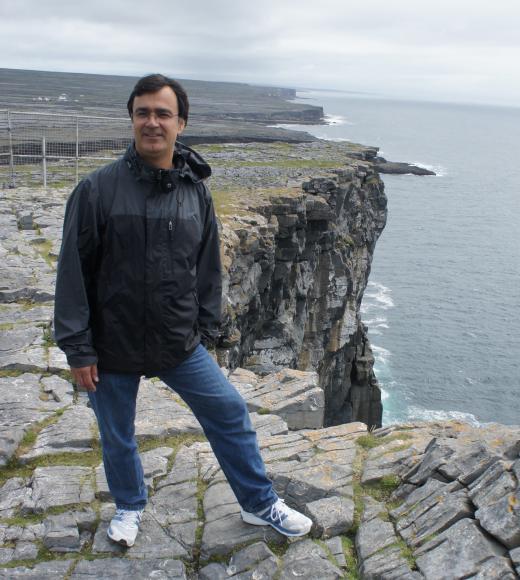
(138, 292)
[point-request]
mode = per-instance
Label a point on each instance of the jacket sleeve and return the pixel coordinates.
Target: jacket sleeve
(209, 276)
(75, 276)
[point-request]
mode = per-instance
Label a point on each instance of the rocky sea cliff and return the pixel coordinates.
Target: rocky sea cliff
(299, 226)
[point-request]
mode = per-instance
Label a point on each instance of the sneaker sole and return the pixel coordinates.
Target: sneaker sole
(256, 521)
(119, 539)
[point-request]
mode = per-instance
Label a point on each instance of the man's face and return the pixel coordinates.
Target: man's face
(156, 125)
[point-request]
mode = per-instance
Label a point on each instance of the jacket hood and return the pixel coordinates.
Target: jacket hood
(186, 163)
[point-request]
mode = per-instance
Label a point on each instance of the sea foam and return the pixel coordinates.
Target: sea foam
(421, 414)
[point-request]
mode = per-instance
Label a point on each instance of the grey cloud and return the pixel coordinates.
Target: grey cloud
(403, 46)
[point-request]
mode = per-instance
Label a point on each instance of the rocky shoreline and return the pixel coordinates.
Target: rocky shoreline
(299, 225)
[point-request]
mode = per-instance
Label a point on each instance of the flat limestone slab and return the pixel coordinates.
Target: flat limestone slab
(72, 433)
(60, 486)
(43, 571)
(125, 568)
(21, 406)
(160, 415)
(459, 552)
(224, 527)
(293, 395)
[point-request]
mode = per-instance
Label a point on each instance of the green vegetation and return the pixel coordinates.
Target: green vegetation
(174, 441)
(6, 373)
(370, 441)
(367, 441)
(44, 249)
(349, 550)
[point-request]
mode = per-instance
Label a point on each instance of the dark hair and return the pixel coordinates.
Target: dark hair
(154, 83)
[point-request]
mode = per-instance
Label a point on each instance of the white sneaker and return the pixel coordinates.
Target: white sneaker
(282, 518)
(124, 526)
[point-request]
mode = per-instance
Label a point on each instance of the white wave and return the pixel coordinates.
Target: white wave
(378, 321)
(420, 414)
(282, 125)
(439, 170)
(384, 395)
(336, 120)
(381, 354)
(377, 296)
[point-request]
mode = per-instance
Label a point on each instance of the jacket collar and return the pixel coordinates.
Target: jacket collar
(187, 163)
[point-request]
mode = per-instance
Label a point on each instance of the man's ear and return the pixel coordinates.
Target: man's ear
(182, 125)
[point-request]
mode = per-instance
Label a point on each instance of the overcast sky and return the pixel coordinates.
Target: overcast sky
(449, 50)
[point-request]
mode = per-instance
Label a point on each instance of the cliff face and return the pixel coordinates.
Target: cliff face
(296, 268)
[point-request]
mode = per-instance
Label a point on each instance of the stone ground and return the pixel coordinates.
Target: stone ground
(425, 500)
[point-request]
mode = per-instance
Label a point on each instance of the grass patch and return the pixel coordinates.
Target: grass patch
(349, 549)
(11, 373)
(174, 441)
(201, 491)
(23, 521)
(241, 200)
(395, 449)
(407, 554)
(263, 411)
(383, 489)
(278, 548)
(48, 341)
(357, 467)
(87, 459)
(286, 163)
(13, 469)
(6, 326)
(31, 434)
(370, 441)
(330, 556)
(44, 555)
(44, 249)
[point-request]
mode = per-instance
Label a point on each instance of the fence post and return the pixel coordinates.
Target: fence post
(11, 152)
(77, 150)
(44, 163)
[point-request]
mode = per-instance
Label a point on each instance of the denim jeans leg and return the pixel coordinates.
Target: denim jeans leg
(223, 415)
(114, 403)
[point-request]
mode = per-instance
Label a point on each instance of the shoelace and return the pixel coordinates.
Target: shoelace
(277, 511)
(128, 517)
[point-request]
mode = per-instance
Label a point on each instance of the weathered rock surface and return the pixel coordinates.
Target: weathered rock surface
(72, 433)
(446, 526)
(293, 395)
(296, 265)
(23, 405)
(59, 486)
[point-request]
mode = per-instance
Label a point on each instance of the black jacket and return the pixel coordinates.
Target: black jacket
(139, 274)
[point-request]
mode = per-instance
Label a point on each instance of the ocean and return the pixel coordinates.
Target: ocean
(443, 299)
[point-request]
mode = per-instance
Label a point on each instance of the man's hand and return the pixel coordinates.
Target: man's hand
(86, 377)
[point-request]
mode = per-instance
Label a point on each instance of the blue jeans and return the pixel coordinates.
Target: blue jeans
(218, 407)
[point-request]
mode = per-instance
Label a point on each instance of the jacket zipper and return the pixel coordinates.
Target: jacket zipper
(171, 226)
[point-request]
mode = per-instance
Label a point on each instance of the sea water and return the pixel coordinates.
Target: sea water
(443, 299)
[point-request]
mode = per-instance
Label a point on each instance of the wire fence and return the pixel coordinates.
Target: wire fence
(46, 149)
